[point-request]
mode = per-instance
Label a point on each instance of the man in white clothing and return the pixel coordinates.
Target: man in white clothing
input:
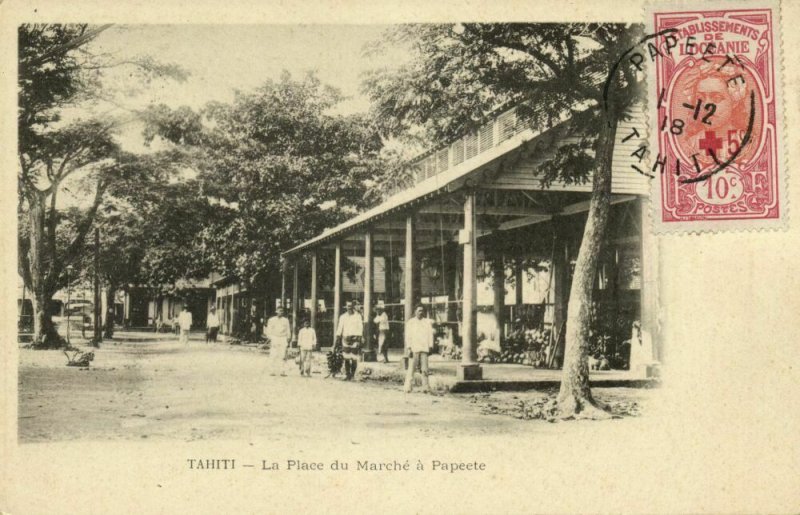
(419, 342)
(185, 324)
(307, 341)
(278, 333)
(350, 332)
(382, 321)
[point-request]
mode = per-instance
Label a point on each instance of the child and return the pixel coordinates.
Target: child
(307, 341)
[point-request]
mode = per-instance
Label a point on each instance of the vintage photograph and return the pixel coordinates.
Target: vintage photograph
(481, 263)
(424, 208)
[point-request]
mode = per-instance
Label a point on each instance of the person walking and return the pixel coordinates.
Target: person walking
(350, 333)
(278, 333)
(307, 341)
(185, 324)
(382, 321)
(212, 325)
(418, 343)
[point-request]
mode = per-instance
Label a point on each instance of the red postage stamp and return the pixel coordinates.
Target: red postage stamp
(717, 119)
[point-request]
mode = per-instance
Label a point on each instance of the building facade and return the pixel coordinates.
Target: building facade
(492, 247)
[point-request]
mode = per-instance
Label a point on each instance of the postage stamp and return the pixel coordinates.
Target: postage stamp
(716, 119)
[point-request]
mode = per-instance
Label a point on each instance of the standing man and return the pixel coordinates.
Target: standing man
(419, 342)
(278, 333)
(382, 321)
(212, 325)
(350, 332)
(307, 341)
(185, 324)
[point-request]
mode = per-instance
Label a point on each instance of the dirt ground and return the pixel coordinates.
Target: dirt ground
(146, 386)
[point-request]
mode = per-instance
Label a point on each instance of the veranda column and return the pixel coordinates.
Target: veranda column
(337, 289)
(519, 285)
(283, 283)
(469, 368)
(294, 302)
(499, 290)
(559, 293)
(314, 290)
(368, 354)
(408, 271)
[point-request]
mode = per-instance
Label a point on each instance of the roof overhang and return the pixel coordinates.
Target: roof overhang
(453, 179)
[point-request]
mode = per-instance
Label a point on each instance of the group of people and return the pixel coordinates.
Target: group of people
(183, 324)
(349, 338)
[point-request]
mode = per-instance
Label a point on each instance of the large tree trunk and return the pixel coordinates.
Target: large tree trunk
(575, 397)
(45, 335)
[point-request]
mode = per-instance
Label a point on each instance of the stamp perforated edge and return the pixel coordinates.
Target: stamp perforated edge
(700, 227)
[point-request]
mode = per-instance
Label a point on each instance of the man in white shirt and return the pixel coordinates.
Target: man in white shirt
(185, 324)
(278, 333)
(212, 325)
(307, 341)
(419, 342)
(382, 321)
(350, 331)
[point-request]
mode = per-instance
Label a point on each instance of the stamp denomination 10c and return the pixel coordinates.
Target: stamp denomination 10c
(716, 118)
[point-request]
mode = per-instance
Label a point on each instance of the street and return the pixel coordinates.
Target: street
(148, 386)
(149, 410)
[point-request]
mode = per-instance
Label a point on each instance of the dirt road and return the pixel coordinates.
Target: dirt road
(160, 389)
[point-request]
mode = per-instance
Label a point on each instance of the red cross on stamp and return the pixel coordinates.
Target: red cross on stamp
(716, 119)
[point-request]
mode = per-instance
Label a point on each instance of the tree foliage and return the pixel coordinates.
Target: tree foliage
(279, 166)
(82, 156)
(463, 74)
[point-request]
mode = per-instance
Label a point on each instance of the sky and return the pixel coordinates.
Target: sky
(223, 58)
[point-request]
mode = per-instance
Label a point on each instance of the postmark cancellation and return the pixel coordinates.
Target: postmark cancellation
(716, 156)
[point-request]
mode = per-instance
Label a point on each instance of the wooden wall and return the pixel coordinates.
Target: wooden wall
(625, 179)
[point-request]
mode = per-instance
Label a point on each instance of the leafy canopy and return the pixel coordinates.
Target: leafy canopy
(279, 166)
(462, 74)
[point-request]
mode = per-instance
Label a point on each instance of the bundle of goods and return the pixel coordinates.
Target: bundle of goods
(528, 347)
(335, 361)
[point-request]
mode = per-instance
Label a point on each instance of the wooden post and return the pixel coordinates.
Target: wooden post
(314, 290)
(559, 294)
(408, 271)
(368, 354)
(294, 302)
(448, 278)
(499, 287)
(98, 320)
(283, 283)
(519, 281)
(469, 369)
(337, 289)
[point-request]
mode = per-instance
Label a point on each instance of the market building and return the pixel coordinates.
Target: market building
(491, 250)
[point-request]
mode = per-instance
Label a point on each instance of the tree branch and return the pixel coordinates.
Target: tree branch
(85, 37)
(83, 228)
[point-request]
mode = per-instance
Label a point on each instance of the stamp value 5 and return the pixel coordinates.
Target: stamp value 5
(716, 116)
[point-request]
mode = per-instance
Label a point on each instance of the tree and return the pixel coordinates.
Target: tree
(279, 168)
(81, 147)
(151, 225)
(56, 71)
(462, 73)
